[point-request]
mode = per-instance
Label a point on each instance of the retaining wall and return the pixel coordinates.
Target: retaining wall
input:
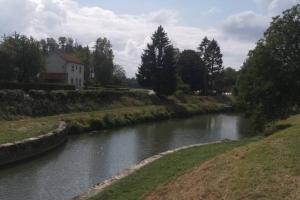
(21, 150)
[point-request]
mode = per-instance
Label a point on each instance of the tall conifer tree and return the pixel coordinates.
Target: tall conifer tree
(158, 70)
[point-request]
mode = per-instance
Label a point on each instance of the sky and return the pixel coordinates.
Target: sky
(236, 24)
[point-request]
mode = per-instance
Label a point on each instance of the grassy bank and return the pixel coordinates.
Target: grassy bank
(268, 168)
(109, 117)
(166, 169)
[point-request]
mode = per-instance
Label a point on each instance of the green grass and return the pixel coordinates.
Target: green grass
(11, 131)
(140, 183)
(266, 169)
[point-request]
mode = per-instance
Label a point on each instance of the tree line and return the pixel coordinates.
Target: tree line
(164, 67)
(22, 58)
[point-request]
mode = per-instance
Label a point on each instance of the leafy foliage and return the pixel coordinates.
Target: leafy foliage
(269, 84)
(35, 86)
(210, 53)
(191, 69)
(103, 61)
(229, 79)
(119, 75)
(22, 58)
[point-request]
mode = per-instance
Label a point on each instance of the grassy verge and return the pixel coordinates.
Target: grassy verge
(11, 131)
(15, 130)
(267, 169)
(140, 183)
(107, 117)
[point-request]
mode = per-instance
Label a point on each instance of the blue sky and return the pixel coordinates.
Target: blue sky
(236, 24)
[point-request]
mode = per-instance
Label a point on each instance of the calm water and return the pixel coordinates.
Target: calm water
(88, 159)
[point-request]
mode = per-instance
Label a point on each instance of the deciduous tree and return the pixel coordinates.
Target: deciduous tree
(190, 68)
(24, 57)
(119, 75)
(103, 61)
(269, 83)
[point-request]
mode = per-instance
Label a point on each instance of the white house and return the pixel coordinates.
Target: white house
(64, 68)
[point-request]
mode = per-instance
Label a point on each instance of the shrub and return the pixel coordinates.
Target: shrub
(74, 128)
(35, 86)
(97, 124)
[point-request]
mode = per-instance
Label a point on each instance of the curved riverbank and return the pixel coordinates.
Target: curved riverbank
(24, 149)
(267, 168)
(105, 184)
(25, 138)
(136, 115)
(21, 150)
(138, 180)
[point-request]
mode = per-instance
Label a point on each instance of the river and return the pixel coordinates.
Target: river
(91, 158)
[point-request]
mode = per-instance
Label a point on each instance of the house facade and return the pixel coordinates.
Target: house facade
(64, 68)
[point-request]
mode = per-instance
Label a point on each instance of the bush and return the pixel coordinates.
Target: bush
(35, 86)
(74, 128)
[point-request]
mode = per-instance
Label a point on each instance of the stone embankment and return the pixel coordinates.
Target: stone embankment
(21, 150)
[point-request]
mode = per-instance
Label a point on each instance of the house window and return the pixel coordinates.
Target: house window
(72, 81)
(80, 69)
(72, 68)
(76, 67)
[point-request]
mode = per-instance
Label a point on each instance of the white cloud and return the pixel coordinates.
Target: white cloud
(10, 12)
(246, 25)
(275, 7)
(129, 34)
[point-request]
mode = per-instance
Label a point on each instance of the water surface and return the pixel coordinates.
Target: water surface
(91, 158)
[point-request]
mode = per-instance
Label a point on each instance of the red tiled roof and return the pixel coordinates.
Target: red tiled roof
(68, 57)
(71, 58)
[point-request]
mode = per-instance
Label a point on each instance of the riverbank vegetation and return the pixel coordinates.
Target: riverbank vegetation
(269, 86)
(125, 111)
(248, 169)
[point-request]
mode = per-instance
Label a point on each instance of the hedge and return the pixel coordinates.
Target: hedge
(35, 86)
(15, 103)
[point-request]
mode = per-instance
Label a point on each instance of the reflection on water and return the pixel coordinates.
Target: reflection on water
(88, 159)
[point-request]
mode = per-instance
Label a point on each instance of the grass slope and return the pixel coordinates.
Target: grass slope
(108, 117)
(267, 169)
(15, 130)
(138, 185)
